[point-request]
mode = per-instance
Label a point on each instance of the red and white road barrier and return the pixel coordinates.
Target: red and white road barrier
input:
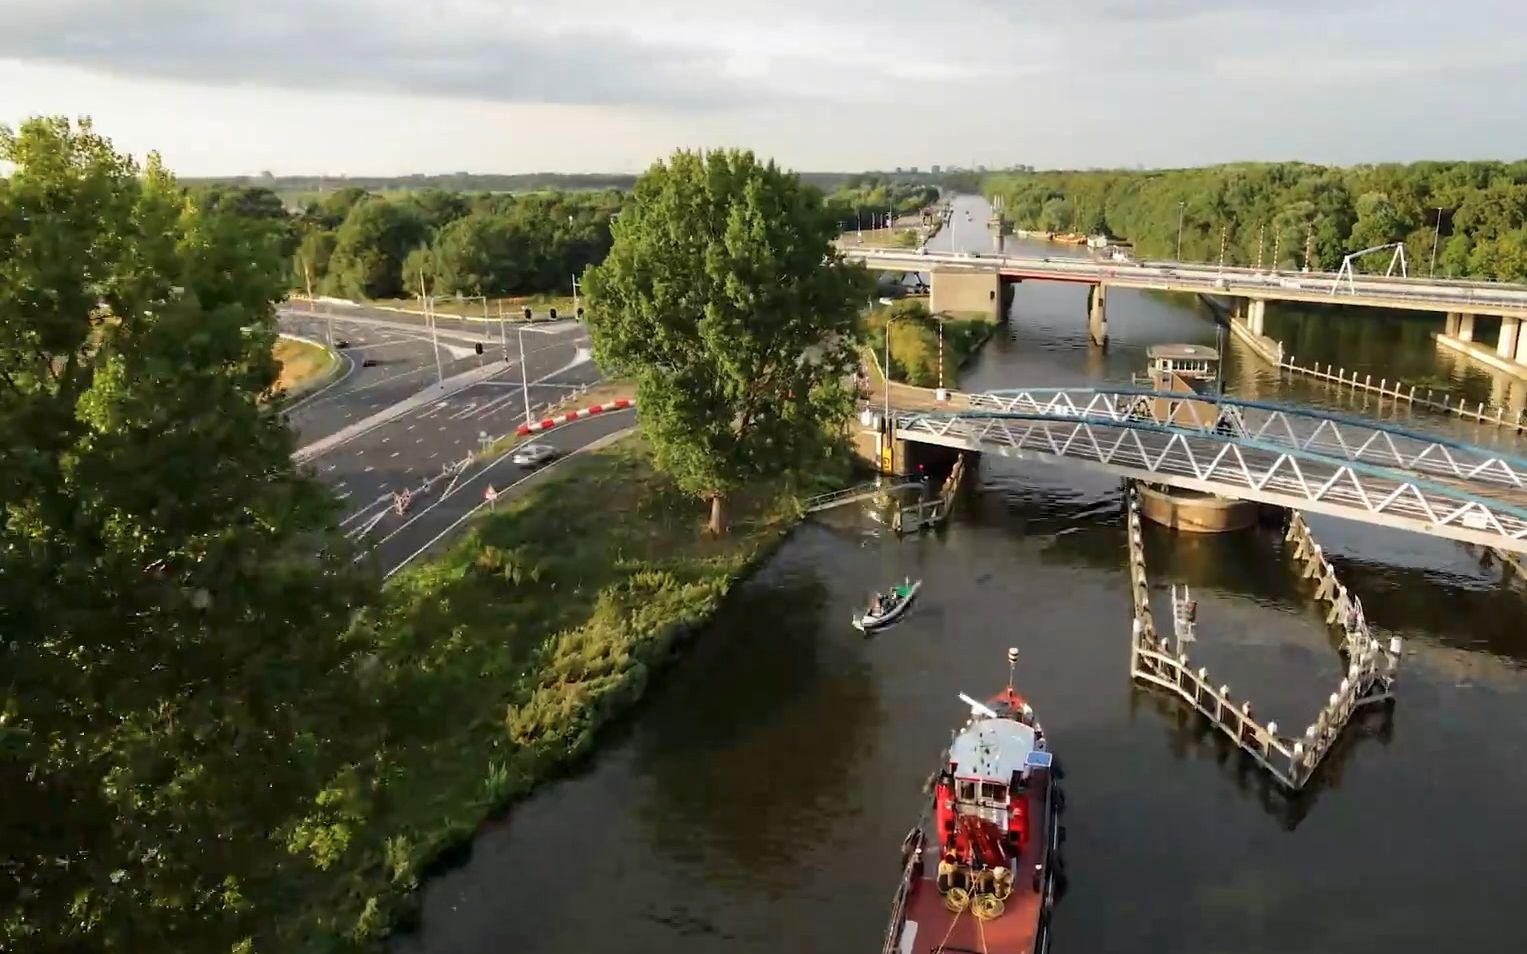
(546, 424)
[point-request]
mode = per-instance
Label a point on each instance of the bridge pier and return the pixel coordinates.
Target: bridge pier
(1505, 346)
(1460, 325)
(1256, 316)
(965, 290)
(1097, 313)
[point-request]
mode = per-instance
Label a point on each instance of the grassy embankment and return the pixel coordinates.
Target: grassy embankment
(300, 363)
(914, 343)
(882, 238)
(473, 308)
(499, 662)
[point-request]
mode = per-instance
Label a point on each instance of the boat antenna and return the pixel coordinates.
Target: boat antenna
(1012, 664)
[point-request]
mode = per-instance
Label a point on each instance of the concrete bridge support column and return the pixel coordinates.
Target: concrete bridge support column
(1256, 316)
(1506, 346)
(1097, 314)
(1465, 327)
(1521, 345)
(965, 291)
(1450, 326)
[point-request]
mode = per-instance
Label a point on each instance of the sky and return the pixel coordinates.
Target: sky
(390, 87)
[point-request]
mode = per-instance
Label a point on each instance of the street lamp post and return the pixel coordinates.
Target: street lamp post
(524, 376)
(1180, 207)
(503, 334)
(429, 316)
(1436, 236)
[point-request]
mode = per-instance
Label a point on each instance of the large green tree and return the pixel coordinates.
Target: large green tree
(170, 601)
(370, 247)
(723, 297)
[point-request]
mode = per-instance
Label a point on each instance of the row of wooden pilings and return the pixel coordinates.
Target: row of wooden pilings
(1292, 760)
(1341, 378)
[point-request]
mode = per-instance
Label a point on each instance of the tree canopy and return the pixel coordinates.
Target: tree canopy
(723, 297)
(172, 609)
(1472, 214)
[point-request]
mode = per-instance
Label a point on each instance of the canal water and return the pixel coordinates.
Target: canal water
(757, 801)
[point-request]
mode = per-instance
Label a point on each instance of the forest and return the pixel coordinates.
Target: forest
(360, 245)
(1472, 216)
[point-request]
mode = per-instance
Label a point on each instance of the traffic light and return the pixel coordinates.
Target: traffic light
(527, 312)
(580, 312)
(552, 313)
(478, 346)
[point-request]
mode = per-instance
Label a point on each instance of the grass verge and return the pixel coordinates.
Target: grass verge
(499, 662)
(300, 363)
(883, 238)
(914, 342)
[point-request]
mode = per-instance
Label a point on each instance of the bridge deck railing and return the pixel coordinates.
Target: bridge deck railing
(1237, 466)
(1351, 436)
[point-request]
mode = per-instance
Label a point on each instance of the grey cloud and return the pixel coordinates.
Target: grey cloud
(289, 43)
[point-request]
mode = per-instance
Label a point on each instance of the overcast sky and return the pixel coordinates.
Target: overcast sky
(378, 87)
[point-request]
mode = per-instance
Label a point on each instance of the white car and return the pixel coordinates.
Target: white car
(532, 454)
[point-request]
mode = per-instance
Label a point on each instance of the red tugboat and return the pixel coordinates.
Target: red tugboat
(989, 883)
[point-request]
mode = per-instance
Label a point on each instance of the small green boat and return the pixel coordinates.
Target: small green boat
(887, 608)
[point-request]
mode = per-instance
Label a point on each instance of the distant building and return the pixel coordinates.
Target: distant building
(934, 169)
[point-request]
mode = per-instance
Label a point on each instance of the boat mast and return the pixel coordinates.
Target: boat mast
(1012, 664)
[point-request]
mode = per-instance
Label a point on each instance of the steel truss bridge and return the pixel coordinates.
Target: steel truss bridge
(1286, 456)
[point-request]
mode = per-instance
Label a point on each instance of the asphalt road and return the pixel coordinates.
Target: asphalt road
(434, 517)
(407, 362)
(428, 450)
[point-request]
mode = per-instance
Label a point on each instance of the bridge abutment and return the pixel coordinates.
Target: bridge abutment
(1097, 313)
(965, 291)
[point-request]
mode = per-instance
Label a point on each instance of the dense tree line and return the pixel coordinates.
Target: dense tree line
(356, 244)
(1476, 212)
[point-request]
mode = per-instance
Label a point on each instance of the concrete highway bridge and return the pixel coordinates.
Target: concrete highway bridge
(968, 282)
(1285, 456)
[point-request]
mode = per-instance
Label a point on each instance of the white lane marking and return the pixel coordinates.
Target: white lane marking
(418, 440)
(386, 439)
(345, 495)
(369, 468)
(481, 504)
(409, 427)
(332, 467)
(393, 454)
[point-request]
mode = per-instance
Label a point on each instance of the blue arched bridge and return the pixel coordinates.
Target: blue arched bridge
(1287, 456)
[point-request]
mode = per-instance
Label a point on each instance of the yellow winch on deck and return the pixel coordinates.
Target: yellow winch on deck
(983, 891)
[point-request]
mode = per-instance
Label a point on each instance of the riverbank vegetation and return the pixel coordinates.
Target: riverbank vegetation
(722, 300)
(494, 666)
(914, 342)
(1474, 212)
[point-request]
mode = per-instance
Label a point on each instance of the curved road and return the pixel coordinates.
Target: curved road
(430, 440)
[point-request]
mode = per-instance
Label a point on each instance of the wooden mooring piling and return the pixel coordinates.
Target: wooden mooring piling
(1292, 760)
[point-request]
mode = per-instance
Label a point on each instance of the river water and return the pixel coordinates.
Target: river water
(757, 801)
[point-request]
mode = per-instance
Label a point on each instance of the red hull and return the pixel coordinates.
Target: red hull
(922, 920)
